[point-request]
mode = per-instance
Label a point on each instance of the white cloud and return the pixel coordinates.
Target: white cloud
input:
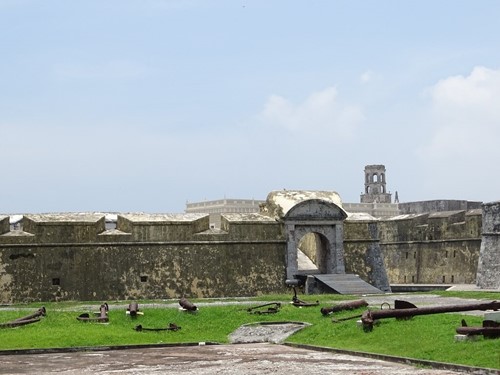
(321, 112)
(461, 154)
(465, 115)
(366, 77)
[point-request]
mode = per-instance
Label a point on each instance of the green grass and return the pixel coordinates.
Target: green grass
(429, 337)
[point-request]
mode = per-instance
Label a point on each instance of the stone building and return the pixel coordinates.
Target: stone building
(375, 185)
(130, 256)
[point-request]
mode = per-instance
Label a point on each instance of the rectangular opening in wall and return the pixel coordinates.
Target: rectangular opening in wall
(56, 281)
(413, 279)
(452, 278)
(144, 279)
(405, 276)
(110, 225)
(407, 255)
(444, 279)
(446, 254)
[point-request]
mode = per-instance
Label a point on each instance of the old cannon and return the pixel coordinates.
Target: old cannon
(370, 316)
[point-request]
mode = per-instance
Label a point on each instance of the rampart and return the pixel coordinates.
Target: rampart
(438, 205)
(74, 257)
(433, 248)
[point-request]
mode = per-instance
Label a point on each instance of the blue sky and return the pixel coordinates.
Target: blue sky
(143, 105)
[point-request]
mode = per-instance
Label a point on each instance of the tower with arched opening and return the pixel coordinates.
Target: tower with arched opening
(375, 185)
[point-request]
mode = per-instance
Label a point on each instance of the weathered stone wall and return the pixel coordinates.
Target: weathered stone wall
(147, 256)
(488, 275)
(74, 257)
(439, 205)
(438, 248)
(308, 245)
(363, 255)
(4, 224)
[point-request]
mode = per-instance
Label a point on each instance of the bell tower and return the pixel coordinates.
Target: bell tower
(375, 185)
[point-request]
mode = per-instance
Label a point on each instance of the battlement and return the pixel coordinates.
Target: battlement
(97, 256)
(85, 228)
(137, 255)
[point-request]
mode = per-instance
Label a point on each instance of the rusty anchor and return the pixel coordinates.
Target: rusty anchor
(102, 315)
(298, 303)
(370, 316)
(171, 327)
(32, 318)
(272, 308)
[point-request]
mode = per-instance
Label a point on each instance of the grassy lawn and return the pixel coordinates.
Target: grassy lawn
(429, 337)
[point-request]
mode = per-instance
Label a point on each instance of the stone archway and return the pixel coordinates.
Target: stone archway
(303, 212)
(324, 219)
(312, 253)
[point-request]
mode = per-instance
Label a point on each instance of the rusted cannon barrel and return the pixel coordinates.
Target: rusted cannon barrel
(185, 304)
(370, 316)
(133, 309)
(351, 305)
(490, 329)
(490, 332)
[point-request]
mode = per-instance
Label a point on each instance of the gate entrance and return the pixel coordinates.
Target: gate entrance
(316, 228)
(313, 222)
(311, 254)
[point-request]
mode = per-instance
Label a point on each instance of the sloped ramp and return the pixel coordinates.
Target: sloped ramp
(347, 284)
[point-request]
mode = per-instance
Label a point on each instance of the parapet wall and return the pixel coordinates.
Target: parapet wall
(437, 248)
(439, 205)
(73, 257)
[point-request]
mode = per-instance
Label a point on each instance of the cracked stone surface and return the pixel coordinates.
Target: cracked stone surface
(249, 359)
(275, 333)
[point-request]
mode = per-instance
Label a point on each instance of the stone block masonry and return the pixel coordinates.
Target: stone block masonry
(57, 257)
(488, 273)
(73, 257)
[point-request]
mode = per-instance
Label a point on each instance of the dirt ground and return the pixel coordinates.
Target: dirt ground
(247, 359)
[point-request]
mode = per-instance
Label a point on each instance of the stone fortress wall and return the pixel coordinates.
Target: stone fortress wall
(81, 257)
(74, 256)
(435, 248)
(431, 248)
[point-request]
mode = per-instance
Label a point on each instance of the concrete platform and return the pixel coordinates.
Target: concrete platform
(248, 359)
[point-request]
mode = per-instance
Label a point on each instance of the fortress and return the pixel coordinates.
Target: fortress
(94, 256)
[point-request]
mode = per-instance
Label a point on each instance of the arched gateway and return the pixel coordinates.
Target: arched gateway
(311, 212)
